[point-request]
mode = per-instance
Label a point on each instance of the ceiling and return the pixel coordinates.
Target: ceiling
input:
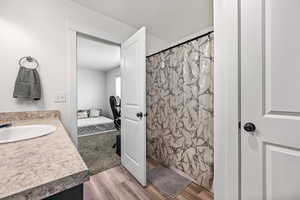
(97, 54)
(170, 20)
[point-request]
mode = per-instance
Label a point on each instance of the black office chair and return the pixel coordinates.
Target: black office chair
(116, 111)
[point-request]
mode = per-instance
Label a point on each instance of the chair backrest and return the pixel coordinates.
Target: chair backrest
(115, 107)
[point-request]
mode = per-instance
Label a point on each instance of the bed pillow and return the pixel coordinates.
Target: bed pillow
(81, 114)
(95, 112)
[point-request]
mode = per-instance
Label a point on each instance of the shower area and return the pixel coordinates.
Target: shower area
(180, 109)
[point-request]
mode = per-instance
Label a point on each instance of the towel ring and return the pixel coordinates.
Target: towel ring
(29, 59)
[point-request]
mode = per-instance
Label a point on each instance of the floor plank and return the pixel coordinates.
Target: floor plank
(118, 184)
(89, 192)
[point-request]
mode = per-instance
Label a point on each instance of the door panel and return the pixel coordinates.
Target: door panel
(133, 129)
(270, 99)
(281, 163)
(131, 151)
(131, 73)
(281, 56)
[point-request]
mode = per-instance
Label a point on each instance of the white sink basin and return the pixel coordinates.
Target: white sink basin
(17, 133)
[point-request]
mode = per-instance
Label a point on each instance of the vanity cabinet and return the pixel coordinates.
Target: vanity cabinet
(75, 193)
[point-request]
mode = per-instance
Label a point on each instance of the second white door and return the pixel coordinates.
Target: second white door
(133, 108)
(270, 47)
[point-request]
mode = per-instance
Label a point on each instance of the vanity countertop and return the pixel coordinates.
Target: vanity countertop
(40, 167)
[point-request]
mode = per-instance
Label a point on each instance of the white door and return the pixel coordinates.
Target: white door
(133, 108)
(270, 99)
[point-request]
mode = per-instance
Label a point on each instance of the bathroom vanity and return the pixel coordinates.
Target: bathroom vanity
(46, 167)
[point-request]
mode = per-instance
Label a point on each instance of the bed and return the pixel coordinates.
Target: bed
(93, 125)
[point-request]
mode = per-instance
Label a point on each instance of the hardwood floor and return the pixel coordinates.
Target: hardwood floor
(118, 184)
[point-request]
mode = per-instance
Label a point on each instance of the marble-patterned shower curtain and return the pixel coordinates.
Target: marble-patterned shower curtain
(180, 108)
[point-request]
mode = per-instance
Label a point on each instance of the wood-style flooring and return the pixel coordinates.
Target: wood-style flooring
(118, 184)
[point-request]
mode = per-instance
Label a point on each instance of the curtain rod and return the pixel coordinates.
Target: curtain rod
(199, 36)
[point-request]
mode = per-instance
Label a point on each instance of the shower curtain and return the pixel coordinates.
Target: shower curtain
(180, 108)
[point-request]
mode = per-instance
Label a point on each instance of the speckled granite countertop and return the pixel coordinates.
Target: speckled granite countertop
(39, 167)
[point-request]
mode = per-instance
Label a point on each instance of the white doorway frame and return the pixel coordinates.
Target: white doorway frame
(227, 100)
(73, 28)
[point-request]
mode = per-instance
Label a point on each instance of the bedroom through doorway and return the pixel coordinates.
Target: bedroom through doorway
(98, 102)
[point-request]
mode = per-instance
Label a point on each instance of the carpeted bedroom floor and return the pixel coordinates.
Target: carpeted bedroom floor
(97, 152)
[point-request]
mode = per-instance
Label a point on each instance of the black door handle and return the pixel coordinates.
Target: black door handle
(249, 127)
(139, 115)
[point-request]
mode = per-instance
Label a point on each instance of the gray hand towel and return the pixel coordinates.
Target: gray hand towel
(27, 84)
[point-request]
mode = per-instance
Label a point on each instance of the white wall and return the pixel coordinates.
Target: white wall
(91, 90)
(111, 85)
(40, 28)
